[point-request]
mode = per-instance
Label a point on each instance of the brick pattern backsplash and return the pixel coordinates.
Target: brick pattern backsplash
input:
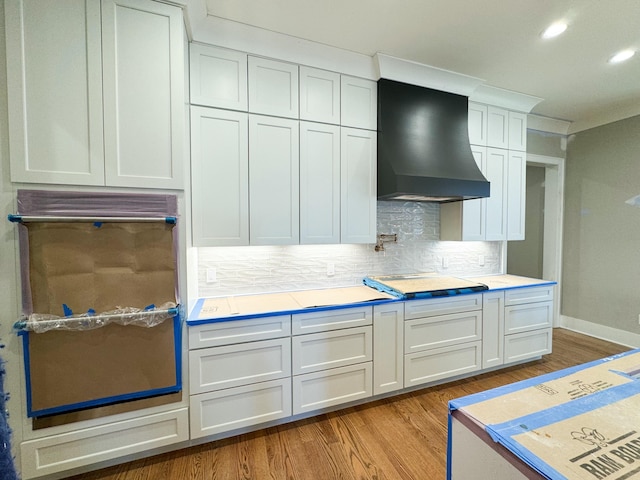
(250, 270)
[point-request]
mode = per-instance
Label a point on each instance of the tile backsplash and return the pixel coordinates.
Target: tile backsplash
(247, 270)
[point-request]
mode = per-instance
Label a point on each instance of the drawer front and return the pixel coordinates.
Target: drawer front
(338, 348)
(442, 363)
(58, 453)
(236, 331)
(328, 388)
(441, 306)
(226, 410)
(528, 316)
(331, 320)
(443, 330)
(234, 365)
(528, 295)
(527, 345)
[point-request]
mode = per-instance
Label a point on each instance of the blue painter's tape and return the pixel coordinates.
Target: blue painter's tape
(531, 382)
(67, 311)
(14, 218)
(97, 224)
(449, 446)
(171, 220)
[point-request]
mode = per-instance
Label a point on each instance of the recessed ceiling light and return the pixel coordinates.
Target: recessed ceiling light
(554, 30)
(622, 56)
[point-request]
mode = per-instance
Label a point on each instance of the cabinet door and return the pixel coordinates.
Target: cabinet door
(218, 77)
(219, 177)
(442, 363)
(388, 351)
(497, 127)
(273, 87)
(518, 131)
(319, 183)
(477, 124)
(143, 73)
(496, 215)
(54, 82)
(274, 200)
(492, 329)
(516, 195)
(319, 95)
(359, 103)
(473, 211)
(358, 186)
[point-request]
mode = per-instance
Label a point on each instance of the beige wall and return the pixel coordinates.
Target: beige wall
(601, 254)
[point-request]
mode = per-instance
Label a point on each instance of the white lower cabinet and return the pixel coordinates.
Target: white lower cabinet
(328, 388)
(87, 446)
(440, 363)
(527, 345)
(388, 347)
(225, 410)
(492, 329)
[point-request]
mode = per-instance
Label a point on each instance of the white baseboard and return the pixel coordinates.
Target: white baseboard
(602, 332)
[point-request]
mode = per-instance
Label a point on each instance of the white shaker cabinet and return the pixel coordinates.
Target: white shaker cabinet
(518, 131)
(55, 100)
(477, 125)
(497, 127)
(219, 177)
(319, 183)
(319, 95)
(358, 186)
(273, 87)
(359, 103)
(516, 195)
(496, 174)
(96, 92)
(218, 77)
(274, 183)
(388, 347)
(492, 329)
(143, 78)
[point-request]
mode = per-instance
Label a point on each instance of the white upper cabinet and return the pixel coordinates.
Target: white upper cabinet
(359, 103)
(219, 177)
(96, 92)
(319, 95)
(319, 183)
(358, 185)
(218, 77)
(55, 98)
(496, 215)
(516, 195)
(274, 200)
(143, 84)
(497, 127)
(477, 124)
(273, 87)
(518, 131)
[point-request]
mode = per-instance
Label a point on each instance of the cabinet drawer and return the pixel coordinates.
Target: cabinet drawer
(528, 295)
(432, 332)
(225, 410)
(441, 363)
(58, 453)
(331, 387)
(441, 306)
(234, 365)
(527, 345)
(331, 320)
(528, 316)
(338, 348)
(236, 331)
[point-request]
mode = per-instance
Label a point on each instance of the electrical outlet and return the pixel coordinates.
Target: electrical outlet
(445, 262)
(331, 269)
(211, 275)
(639, 319)
(481, 260)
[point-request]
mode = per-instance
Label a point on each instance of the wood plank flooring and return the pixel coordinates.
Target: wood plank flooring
(403, 437)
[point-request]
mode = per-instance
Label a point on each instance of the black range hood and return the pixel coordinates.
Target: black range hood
(423, 146)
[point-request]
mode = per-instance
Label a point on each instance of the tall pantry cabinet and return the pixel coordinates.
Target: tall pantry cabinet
(311, 155)
(96, 92)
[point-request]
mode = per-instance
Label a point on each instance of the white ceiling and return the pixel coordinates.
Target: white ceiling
(495, 40)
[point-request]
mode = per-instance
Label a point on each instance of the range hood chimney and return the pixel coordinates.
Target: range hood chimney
(423, 146)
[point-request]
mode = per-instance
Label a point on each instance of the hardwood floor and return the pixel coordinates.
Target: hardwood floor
(403, 437)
